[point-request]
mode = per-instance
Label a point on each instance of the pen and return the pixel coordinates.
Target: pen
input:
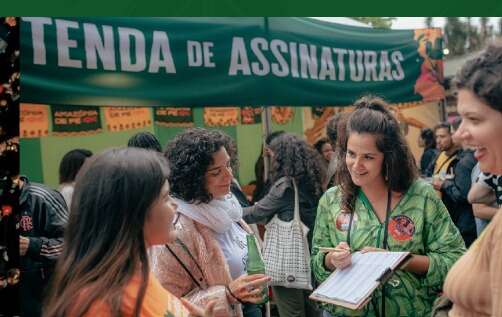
(327, 249)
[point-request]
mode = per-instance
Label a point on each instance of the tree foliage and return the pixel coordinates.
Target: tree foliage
(376, 22)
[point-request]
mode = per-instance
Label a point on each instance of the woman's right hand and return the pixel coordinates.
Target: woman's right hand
(249, 288)
(340, 258)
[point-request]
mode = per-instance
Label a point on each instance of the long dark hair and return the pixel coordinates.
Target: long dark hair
(296, 158)
(104, 241)
(399, 168)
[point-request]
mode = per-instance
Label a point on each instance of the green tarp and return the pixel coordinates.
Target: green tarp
(223, 61)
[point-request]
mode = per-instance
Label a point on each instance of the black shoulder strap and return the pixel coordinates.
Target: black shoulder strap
(183, 264)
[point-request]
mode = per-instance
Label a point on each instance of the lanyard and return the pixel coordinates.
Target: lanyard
(386, 230)
(385, 239)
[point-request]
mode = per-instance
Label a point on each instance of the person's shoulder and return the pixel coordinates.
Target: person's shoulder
(46, 195)
(331, 196)
(422, 188)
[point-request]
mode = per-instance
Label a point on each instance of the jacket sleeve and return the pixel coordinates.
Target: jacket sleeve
(442, 240)
(52, 220)
(321, 238)
(457, 188)
(280, 194)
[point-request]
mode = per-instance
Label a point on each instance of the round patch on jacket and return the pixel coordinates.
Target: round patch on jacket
(343, 220)
(401, 228)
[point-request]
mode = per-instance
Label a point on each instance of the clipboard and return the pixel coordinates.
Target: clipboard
(353, 287)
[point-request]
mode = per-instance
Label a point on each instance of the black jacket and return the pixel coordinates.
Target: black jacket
(454, 194)
(280, 200)
(42, 218)
(429, 156)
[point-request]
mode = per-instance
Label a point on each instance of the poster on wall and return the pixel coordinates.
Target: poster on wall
(173, 117)
(33, 120)
(75, 120)
(282, 115)
(251, 115)
(221, 116)
(127, 118)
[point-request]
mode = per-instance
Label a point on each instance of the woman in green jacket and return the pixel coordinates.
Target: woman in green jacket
(380, 204)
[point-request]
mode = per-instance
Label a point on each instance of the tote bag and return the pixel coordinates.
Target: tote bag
(286, 251)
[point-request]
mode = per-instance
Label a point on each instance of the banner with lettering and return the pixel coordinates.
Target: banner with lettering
(173, 117)
(126, 118)
(33, 120)
(221, 116)
(248, 61)
(75, 120)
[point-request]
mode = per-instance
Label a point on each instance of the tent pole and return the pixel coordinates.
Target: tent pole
(266, 130)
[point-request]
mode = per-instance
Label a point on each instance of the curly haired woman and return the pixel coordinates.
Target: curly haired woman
(292, 158)
(207, 261)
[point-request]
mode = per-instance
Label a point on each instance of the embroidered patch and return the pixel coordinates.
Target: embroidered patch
(343, 220)
(26, 223)
(401, 228)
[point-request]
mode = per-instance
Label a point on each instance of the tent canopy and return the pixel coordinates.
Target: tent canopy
(224, 61)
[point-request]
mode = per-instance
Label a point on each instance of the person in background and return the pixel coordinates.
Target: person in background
(447, 152)
(104, 268)
(335, 130)
(455, 188)
(145, 140)
(68, 169)
(207, 260)
(263, 186)
(474, 283)
(323, 146)
(427, 141)
(43, 215)
(379, 203)
(483, 209)
(292, 159)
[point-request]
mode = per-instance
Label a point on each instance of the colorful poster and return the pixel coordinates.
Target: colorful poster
(221, 116)
(33, 120)
(173, 117)
(282, 115)
(75, 120)
(126, 118)
(430, 47)
(251, 115)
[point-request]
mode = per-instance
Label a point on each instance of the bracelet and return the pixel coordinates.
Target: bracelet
(232, 294)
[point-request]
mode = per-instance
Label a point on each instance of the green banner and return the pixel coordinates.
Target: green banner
(75, 120)
(224, 62)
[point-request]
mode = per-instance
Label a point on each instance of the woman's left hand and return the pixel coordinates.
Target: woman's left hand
(249, 288)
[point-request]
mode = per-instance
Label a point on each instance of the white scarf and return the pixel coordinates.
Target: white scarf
(218, 214)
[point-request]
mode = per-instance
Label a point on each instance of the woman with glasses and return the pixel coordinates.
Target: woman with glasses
(207, 261)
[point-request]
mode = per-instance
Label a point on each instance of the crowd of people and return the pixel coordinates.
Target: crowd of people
(130, 227)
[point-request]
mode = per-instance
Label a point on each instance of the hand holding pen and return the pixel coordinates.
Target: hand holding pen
(338, 257)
